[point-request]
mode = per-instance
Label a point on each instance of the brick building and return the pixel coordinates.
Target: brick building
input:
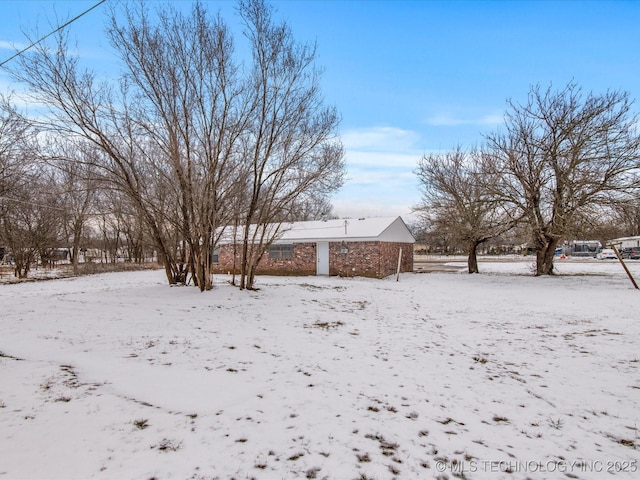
(366, 247)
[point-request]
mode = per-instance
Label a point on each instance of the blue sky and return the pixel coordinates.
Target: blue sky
(413, 77)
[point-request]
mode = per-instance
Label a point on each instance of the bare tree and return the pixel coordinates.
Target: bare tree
(16, 171)
(628, 217)
(457, 201)
(16, 147)
(81, 108)
(562, 156)
(183, 71)
(30, 223)
(167, 137)
(292, 148)
(17, 223)
(78, 184)
(194, 142)
(310, 207)
(135, 239)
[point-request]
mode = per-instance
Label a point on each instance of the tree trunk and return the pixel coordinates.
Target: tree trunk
(235, 250)
(244, 261)
(251, 276)
(201, 265)
(77, 232)
(22, 264)
(544, 257)
(472, 261)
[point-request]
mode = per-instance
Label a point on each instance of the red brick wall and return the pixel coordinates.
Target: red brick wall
(302, 263)
(389, 258)
(369, 259)
(346, 259)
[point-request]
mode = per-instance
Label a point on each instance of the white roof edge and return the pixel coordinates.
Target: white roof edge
(382, 229)
(331, 240)
(622, 239)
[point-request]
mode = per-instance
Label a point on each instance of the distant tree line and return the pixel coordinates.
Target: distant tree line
(566, 165)
(190, 143)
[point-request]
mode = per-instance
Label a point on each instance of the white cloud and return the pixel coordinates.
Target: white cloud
(492, 119)
(380, 178)
(4, 45)
(346, 208)
(448, 119)
(20, 98)
(359, 159)
(444, 120)
(382, 139)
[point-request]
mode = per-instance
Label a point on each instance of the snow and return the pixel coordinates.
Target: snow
(119, 376)
(388, 229)
(391, 229)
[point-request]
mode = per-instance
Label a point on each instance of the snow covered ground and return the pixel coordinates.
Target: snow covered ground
(439, 375)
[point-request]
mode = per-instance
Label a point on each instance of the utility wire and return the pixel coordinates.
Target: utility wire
(51, 33)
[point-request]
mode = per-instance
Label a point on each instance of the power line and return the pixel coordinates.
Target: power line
(51, 33)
